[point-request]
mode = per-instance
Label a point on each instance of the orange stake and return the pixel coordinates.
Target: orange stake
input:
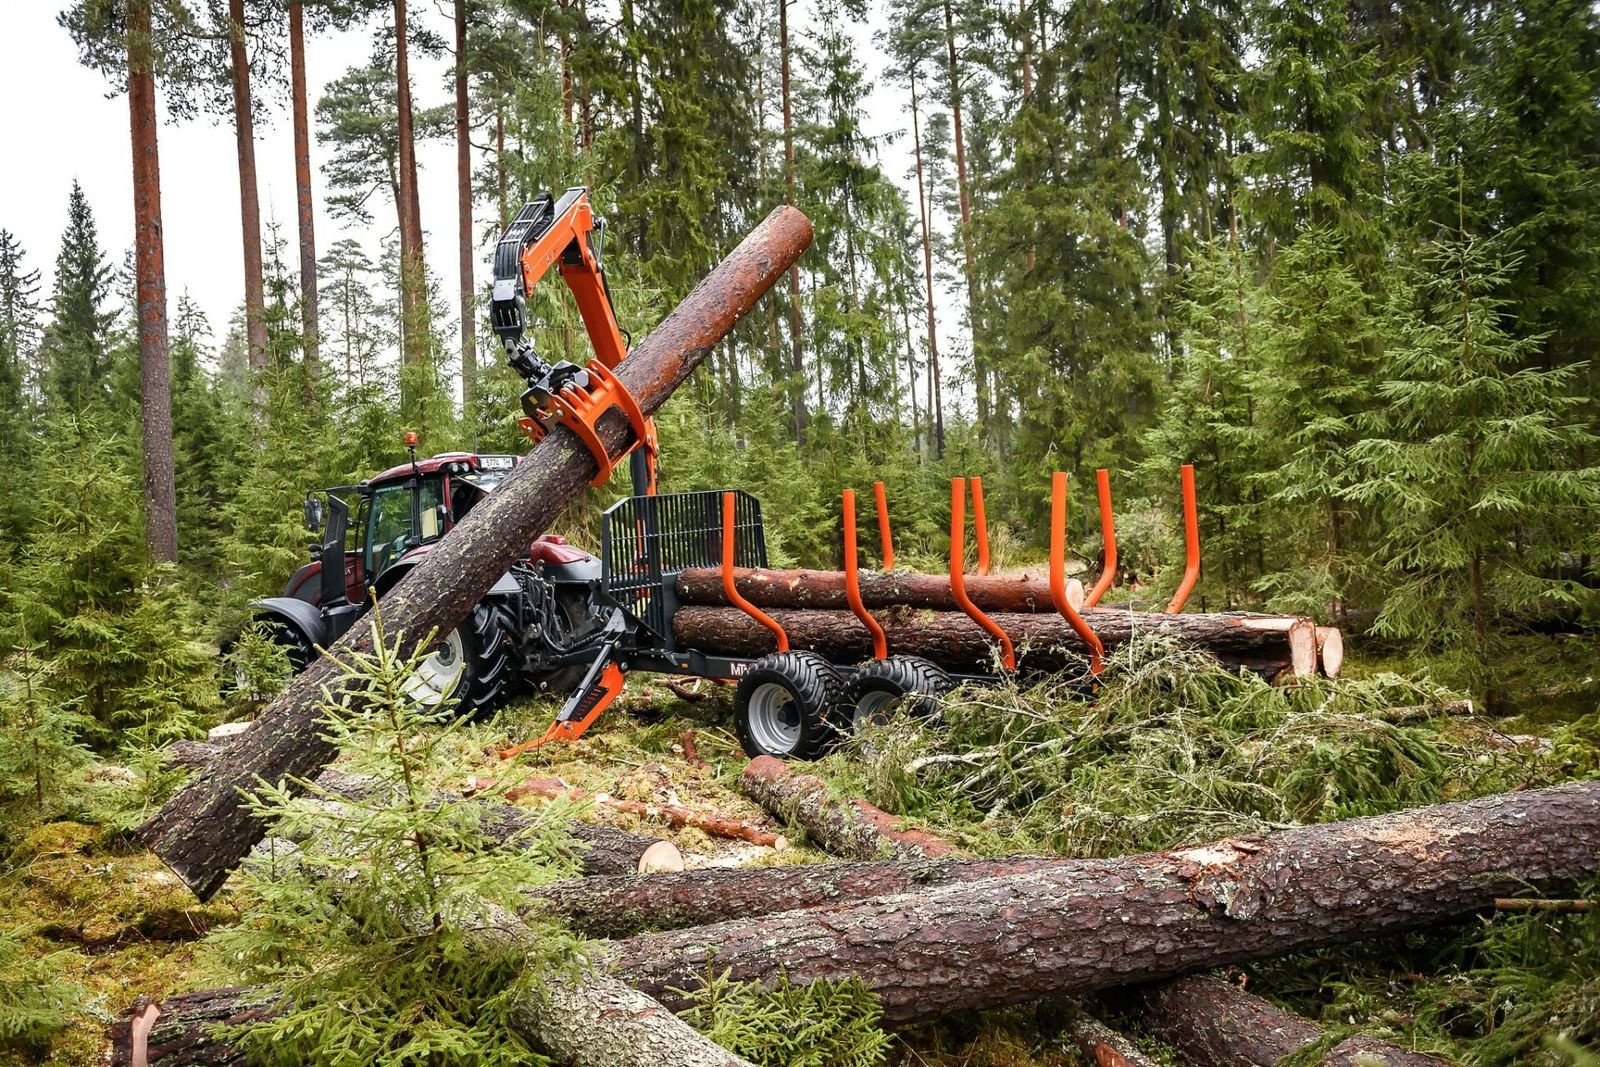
(883, 525)
(1108, 534)
(980, 525)
(1191, 543)
(852, 580)
(958, 578)
(1058, 573)
(728, 588)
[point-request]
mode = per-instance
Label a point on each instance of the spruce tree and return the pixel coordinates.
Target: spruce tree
(74, 348)
(19, 388)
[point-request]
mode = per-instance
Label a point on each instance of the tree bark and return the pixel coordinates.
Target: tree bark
(847, 827)
(935, 388)
(413, 270)
(769, 588)
(674, 815)
(797, 347)
(1266, 644)
(1097, 924)
(203, 832)
(255, 298)
(1212, 1023)
(469, 354)
(305, 203)
(980, 372)
(622, 906)
(593, 1021)
(150, 284)
(1103, 1046)
(604, 850)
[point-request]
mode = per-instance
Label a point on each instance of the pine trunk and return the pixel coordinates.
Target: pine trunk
(980, 372)
(150, 283)
(310, 341)
(603, 850)
(469, 353)
(255, 296)
(413, 273)
(1099, 924)
(935, 388)
(797, 350)
(204, 831)
(1212, 1023)
(846, 827)
(1268, 645)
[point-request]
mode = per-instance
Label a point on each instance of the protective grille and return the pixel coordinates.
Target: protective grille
(646, 540)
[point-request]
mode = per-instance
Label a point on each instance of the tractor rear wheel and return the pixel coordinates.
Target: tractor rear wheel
(872, 693)
(471, 668)
(782, 704)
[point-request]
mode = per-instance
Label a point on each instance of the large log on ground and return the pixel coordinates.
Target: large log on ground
(1044, 642)
(603, 850)
(847, 827)
(597, 1021)
(204, 831)
(616, 907)
(1097, 924)
(1212, 1023)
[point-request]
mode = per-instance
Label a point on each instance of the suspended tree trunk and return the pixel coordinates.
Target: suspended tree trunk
(935, 397)
(980, 371)
(150, 283)
(255, 299)
(1212, 1023)
(310, 341)
(413, 273)
(1100, 924)
(469, 369)
(797, 350)
(204, 831)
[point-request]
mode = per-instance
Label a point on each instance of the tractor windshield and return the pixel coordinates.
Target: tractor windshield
(389, 531)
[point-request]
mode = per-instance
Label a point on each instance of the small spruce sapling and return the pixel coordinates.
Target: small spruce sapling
(35, 1003)
(375, 932)
(39, 731)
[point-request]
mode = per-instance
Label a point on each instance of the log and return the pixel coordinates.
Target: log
(1094, 924)
(957, 643)
(1212, 1023)
(674, 815)
(602, 849)
(847, 827)
(825, 590)
(204, 831)
(1103, 1046)
(596, 1021)
(615, 907)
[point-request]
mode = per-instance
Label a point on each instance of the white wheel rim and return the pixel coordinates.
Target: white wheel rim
(873, 708)
(774, 718)
(438, 676)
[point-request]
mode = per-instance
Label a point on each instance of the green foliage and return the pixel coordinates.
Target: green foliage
(1173, 749)
(36, 1004)
(821, 1024)
(376, 930)
(39, 732)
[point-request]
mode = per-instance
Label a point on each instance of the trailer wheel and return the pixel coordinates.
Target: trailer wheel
(915, 684)
(782, 705)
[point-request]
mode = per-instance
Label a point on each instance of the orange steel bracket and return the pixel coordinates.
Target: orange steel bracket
(883, 525)
(599, 699)
(1058, 573)
(980, 525)
(958, 578)
(1191, 543)
(1108, 534)
(579, 409)
(734, 596)
(852, 579)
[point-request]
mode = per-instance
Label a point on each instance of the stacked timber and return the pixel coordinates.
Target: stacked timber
(920, 617)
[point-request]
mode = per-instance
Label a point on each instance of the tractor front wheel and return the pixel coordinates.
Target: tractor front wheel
(471, 668)
(781, 706)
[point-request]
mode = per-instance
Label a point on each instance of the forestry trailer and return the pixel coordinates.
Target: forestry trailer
(575, 623)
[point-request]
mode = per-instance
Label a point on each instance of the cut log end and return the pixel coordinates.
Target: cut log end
(1303, 648)
(1330, 649)
(663, 856)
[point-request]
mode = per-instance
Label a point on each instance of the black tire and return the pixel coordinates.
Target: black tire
(911, 682)
(781, 706)
(297, 647)
(469, 672)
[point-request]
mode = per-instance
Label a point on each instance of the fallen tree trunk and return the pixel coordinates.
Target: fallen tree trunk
(616, 907)
(1044, 642)
(674, 815)
(825, 590)
(204, 831)
(1212, 1023)
(603, 849)
(1098, 924)
(596, 1021)
(846, 827)
(1103, 1046)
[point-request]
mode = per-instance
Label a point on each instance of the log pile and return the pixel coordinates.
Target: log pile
(935, 937)
(1270, 645)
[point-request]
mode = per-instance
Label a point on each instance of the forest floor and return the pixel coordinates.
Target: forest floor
(108, 916)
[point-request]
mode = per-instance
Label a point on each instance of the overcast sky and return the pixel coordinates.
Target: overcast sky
(58, 124)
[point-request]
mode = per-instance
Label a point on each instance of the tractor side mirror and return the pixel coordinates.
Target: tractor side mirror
(313, 514)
